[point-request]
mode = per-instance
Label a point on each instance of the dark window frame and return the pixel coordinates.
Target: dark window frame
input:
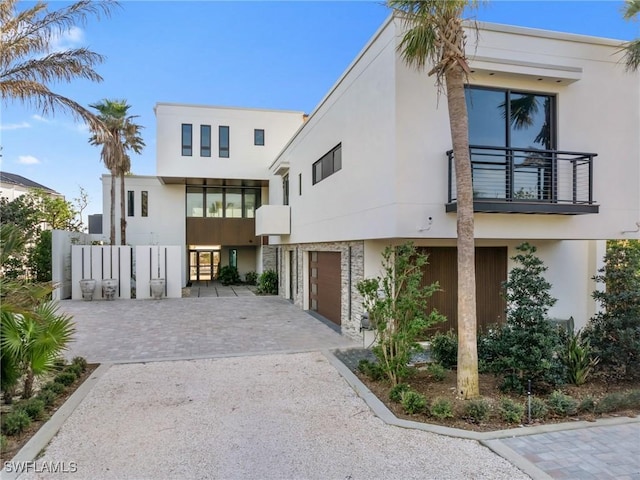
(327, 165)
(224, 147)
(205, 149)
(198, 189)
(258, 140)
(144, 203)
(285, 189)
(131, 205)
(187, 140)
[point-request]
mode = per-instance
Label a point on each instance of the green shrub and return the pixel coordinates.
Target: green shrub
(15, 422)
(59, 363)
(477, 410)
(437, 372)
(34, 407)
(577, 358)
(539, 410)
(251, 278)
(268, 283)
(48, 397)
(444, 349)
(4, 442)
(525, 347)
(74, 368)
(633, 398)
(587, 405)
(441, 408)
(54, 387)
(561, 404)
(80, 361)
(229, 275)
(395, 394)
(65, 378)
(511, 411)
(413, 402)
(370, 369)
(611, 403)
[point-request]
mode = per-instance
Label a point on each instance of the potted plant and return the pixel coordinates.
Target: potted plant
(157, 284)
(109, 287)
(87, 286)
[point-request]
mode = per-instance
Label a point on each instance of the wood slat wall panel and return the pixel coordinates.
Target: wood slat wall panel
(235, 232)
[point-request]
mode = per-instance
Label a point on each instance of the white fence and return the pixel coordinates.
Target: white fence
(106, 262)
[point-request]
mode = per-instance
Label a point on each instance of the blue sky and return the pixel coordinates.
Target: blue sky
(280, 55)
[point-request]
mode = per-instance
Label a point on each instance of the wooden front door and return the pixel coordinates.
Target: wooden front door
(325, 286)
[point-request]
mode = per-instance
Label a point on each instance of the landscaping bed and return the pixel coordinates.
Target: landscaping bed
(16, 441)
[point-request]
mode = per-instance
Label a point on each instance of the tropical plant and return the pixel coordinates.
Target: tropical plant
(614, 332)
(229, 275)
(435, 36)
(33, 340)
(268, 282)
(29, 64)
(577, 358)
(630, 11)
(124, 136)
(397, 306)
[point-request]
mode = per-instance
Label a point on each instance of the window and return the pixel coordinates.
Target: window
(285, 189)
(233, 257)
(328, 164)
(222, 202)
(299, 184)
(205, 140)
(223, 142)
(195, 202)
(258, 137)
(130, 203)
(144, 203)
(187, 139)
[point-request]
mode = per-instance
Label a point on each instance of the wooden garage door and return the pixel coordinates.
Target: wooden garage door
(325, 285)
(491, 271)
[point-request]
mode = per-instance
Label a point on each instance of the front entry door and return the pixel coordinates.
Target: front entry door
(203, 265)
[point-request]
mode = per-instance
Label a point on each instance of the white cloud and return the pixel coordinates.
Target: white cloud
(15, 126)
(40, 119)
(68, 39)
(28, 160)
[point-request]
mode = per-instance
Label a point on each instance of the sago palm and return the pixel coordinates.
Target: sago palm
(28, 66)
(124, 137)
(630, 11)
(434, 36)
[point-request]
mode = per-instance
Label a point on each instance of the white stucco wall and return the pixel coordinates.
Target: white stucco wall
(246, 160)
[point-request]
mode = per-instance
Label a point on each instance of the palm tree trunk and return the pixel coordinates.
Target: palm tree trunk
(467, 334)
(27, 389)
(123, 218)
(112, 210)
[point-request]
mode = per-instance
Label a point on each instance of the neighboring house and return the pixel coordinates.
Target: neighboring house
(211, 176)
(554, 129)
(556, 161)
(12, 186)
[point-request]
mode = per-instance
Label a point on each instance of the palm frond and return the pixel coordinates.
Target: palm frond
(631, 57)
(630, 9)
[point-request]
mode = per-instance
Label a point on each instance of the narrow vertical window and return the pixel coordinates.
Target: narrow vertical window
(187, 139)
(299, 184)
(205, 140)
(144, 203)
(285, 189)
(258, 137)
(130, 203)
(223, 142)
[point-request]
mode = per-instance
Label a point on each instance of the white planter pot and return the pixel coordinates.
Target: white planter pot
(87, 286)
(157, 288)
(109, 288)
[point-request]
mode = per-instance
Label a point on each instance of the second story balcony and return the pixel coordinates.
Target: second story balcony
(520, 180)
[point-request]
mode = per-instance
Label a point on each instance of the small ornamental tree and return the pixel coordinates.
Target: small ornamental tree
(526, 344)
(614, 333)
(397, 306)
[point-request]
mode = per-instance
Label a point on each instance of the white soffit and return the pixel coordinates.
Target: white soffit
(500, 67)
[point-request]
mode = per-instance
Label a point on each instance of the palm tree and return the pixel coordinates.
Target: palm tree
(27, 64)
(630, 10)
(124, 137)
(434, 35)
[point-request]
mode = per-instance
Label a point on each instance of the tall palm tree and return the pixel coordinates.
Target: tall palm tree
(631, 10)
(124, 137)
(27, 64)
(434, 36)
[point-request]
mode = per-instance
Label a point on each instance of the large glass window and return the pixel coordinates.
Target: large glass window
(205, 140)
(187, 139)
(250, 203)
(214, 203)
(233, 203)
(195, 202)
(223, 142)
(327, 165)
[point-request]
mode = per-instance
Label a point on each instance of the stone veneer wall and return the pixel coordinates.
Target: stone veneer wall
(351, 300)
(268, 258)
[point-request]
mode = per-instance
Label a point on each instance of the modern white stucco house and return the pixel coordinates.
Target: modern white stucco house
(555, 135)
